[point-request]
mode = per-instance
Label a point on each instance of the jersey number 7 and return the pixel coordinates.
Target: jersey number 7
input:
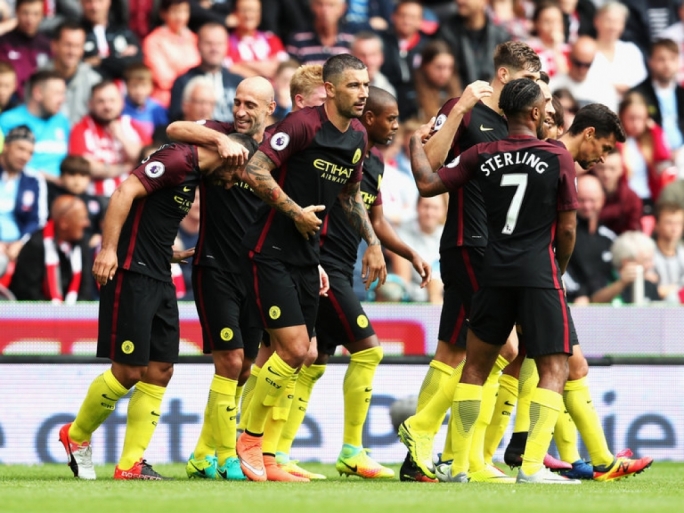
(519, 180)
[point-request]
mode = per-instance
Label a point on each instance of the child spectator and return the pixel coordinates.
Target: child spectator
(170, 50)
(138, 104)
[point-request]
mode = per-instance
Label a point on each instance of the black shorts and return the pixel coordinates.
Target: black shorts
(341, 319)
(541, 313)
(229, 319)
(285, 295)
(461, 269)
(138, 320)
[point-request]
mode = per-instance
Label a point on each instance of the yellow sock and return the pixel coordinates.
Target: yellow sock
(306, 381)
(437, 374)
(270, 385)
(144, 412)
(275, 422)
(565, 436)
(429, 419)
(447, 453)
(528, 380)
(206, 443)
(505, 403)
(223, 416)
(238, 395)
(491, 386)
(464, 412)
(544, 409)
(99, 403)
(579, 404)
(246, 396)
(358, 389)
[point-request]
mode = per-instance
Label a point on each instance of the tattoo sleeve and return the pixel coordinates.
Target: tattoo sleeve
(428, 182)
(259, 178)
(355, 210)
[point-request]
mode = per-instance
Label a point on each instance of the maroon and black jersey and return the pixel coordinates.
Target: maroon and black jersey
(339, 241)
(525, 182)
(169, 176)
(225, 215)
(314, 160)
(466, 222)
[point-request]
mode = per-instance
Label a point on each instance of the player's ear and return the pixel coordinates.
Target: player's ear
(368, 118)
(503, 75)
(589, 132)
(329, 89)
(271, 107)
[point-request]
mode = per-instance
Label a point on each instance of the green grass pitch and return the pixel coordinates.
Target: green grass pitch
(50, 489)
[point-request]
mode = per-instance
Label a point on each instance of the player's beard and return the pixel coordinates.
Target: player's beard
(541, 131)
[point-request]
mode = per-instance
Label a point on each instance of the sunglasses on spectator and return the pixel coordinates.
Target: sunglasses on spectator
(580, 64)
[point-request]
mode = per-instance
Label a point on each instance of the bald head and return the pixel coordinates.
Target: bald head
(254, 102)
(257, 86)
(581, 57)
(590, 196)
(70, 216)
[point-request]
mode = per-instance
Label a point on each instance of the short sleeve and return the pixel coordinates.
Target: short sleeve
(378, 200)
(358, 170)
(218, 126)
(165, 168)
(460, 170)
(567, 183)
(292, 135)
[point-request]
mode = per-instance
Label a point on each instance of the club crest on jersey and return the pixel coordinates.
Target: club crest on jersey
(439, 122)
(154, 169)
(280, 141)
(357, 156)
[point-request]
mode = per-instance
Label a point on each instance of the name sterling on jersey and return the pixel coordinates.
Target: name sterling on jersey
(501, 160)
(333, 172)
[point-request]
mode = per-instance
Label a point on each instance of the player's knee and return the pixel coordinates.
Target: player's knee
(449, 354)
(128, 375)
(510, 350)
(579, 368)
(312, 355)
(322, 359)
(228, 364)
(158, 373)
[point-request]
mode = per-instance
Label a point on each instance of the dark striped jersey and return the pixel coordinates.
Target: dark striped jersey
(339, 241)
(466, 222)
(314, 160)
(224, 218)
(169, 176)
(525, 182)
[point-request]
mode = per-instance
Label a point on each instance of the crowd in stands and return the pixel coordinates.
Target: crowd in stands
(87, 88)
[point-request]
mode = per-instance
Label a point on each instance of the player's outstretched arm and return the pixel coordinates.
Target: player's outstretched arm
(120, 203)
(373, 262)
(391, 240)
(428, 182)
(566, 229)
(190, 132)
(258, 176)
(439, 144)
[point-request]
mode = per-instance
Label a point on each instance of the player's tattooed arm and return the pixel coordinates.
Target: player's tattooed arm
(258, 177)
(428, 182)
(355, 210)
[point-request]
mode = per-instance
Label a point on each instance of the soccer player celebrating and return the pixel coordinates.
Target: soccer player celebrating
(138, 318)
(317, 157)
(530, 199)
(230, 326)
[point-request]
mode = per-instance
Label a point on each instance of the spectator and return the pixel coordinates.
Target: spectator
(211, 11)
(569, 104)
(549, 41)
(285, 18)
(647, 159)
(675, 32)
(23, 208)
(512, 16)
(163, 47)
(472, 37)
(403, 44)
(109, 48)
(24, 47)
(647, 20)
(578, 18)
(369, 15)
(75, 180)
(368, 48)
(436, 80)
(7, 20)
(54, 263)
(281, 86)
(8, 86)
(620, 61)
(252, 51)
(67, 51)
(110, 141)
(630, 251)
(590, 266)
(586, 87)
(41, 113)
(663, 95)
(138, 104)
(199, 99)
(622, 209)
(326, 37)
(212, 41)
(423, 235)
(669, 253)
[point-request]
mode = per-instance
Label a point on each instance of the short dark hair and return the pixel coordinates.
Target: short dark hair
(667, 44)
(164, 5)
(516, 55)
(666, 206)
(74, 165)
(338, 64)
(138, 71)
(67, 25)
(19, 3)
(101, 85)
(544, 77)
(604, 121)
(378, 99)
(519, 95)
(40, 77)
(6, 67)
